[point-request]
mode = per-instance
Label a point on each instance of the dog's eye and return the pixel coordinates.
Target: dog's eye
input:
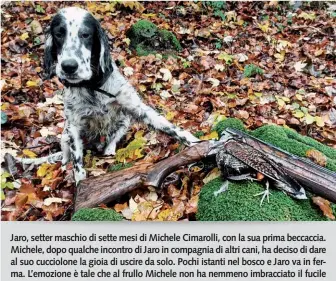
(59, 35)
(85, 35)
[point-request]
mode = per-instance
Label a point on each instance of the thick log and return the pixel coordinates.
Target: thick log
(106, 188)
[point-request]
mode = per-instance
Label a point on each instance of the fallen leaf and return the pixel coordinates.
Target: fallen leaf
(309, 119)
(49, 201)
(21, 199)
(128, 71)
(264, 27)
(29, 153)
(299, 66)
(325, 207)
(36, 27)
(214, 82)
(280, 56)
(119, 207)
(32, 83)
(307, 16)
(24, 36)
(299, 114)
(224, 56)
(241, 57)
(166, 74)
(215, 173)
(173, 191)
(165, 94)
(192, 204)
(133, 205)
(319, 121)
(212, 136)
(127, 213)
(317, 157)
(152, 196)
(219, 67)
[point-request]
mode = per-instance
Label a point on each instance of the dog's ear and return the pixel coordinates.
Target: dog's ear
(105, 60)
(50, 55)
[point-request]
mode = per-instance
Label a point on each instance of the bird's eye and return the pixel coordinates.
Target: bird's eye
(85, 35)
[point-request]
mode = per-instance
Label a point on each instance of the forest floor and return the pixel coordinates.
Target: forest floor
(262, 63)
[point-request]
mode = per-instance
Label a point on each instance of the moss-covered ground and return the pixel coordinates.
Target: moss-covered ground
(146, 38)
(238, 203)
(96, 214)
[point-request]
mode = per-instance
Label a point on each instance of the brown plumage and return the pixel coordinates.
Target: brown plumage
(238, 161)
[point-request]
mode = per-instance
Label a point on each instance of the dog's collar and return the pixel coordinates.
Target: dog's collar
(90, 85)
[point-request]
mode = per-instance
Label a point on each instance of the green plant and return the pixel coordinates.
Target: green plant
(119, 166)
(252, 70)
(216, 5)
(217, 8)
(220, 14)
(199, 134)
(39, 9)
(218, 44)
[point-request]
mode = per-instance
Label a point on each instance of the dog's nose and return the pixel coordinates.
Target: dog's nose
(69, 66)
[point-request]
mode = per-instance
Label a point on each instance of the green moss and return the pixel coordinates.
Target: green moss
(96, 214)
(119, 166)
(170, 38)
(252, 70)
(143, 51)
(199, 134)
(144, 28)
(146, 38)
(229, 123)
(238, 203)
(293, 142)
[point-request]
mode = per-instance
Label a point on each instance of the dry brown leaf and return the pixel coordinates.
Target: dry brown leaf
(173, 191)
(324, 206)
(178, 209)
(192, 204)
(215, 173)
(119, 207)
(317, 157)
(20, 200)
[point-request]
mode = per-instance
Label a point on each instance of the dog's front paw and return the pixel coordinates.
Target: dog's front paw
(80, 175)
(191, 140)
(110, 150)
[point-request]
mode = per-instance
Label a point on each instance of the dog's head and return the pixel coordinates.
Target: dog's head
(76, 47)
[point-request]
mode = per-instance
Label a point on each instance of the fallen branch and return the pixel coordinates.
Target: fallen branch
(311, 27)
(106, 188)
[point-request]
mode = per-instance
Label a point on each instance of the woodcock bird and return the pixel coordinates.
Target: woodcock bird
(240, 161)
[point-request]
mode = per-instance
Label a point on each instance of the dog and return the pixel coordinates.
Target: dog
(98, 100)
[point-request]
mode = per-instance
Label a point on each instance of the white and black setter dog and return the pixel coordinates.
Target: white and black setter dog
(98, 100)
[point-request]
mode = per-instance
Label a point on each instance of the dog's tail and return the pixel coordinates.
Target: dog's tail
(52, 158)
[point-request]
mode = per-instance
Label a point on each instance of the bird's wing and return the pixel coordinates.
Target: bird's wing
(261, 163)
